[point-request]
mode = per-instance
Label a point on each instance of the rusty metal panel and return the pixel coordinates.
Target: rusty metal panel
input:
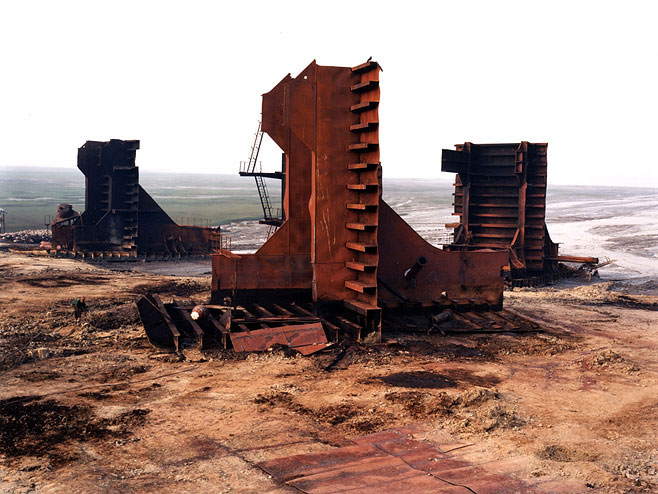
(389, 462)
(158, 325)
(305, 338)
(330, 178)
(454, 275)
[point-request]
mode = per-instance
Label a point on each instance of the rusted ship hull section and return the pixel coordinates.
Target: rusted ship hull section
(121, 220)
(500, 200)
(341, 246)
(177, 325)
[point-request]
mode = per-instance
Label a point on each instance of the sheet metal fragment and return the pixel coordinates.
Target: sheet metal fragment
(390, 462)
(305, 338)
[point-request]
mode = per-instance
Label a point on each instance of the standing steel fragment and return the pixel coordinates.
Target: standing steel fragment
(500, 199)
(121, 220)
(341, 246)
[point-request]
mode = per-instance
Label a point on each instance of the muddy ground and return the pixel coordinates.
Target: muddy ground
(94, 408)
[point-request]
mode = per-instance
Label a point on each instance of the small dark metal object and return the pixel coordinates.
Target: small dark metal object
(411, 273)
(443, 316)
(199, 313)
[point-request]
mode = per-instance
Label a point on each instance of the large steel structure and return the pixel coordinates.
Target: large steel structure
(341, 245)
(500, 199)
(121, 219)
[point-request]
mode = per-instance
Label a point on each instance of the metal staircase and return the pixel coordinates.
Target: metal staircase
(255, 149)
(249, 168)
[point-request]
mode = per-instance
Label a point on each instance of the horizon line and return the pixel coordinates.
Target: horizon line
(445, 179)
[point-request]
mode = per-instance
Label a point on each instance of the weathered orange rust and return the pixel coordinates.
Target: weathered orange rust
(341, 245)
(392, 461)
(500, 199)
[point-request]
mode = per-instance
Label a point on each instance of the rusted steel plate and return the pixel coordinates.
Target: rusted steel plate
(305, 338)
(389, 462)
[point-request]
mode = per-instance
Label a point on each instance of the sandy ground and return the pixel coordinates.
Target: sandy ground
(94, 408)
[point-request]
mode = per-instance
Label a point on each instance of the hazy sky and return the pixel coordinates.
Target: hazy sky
(186, 78)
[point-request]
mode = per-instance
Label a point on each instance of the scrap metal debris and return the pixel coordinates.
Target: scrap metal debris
(305, 338)
(175, 326)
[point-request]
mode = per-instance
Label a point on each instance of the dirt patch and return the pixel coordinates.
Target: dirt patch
(545, 344)
(473, 411)
(637, 418)
(96, 395)
(354, 418)
(611, 359)
(609, 294)
(467, 378)
(424, 405)
(555, 452)
(452, 350)
(418, 379)
(178, 288)
(153, 387)
(348, 354)
(638, 471)
(499, 417)
(418, 404)
(33, 427)
(122, 372)
(449, 378)
(632, 303)
(62, 280)
(113, 318)
(336, 414)
(40, 375)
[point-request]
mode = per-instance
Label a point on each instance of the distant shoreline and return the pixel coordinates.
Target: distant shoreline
(447, 179)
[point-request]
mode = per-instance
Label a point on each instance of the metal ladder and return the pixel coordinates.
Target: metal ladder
(255, 149)
(260, 181)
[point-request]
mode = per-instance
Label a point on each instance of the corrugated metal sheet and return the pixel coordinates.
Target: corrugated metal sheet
(389, 462)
